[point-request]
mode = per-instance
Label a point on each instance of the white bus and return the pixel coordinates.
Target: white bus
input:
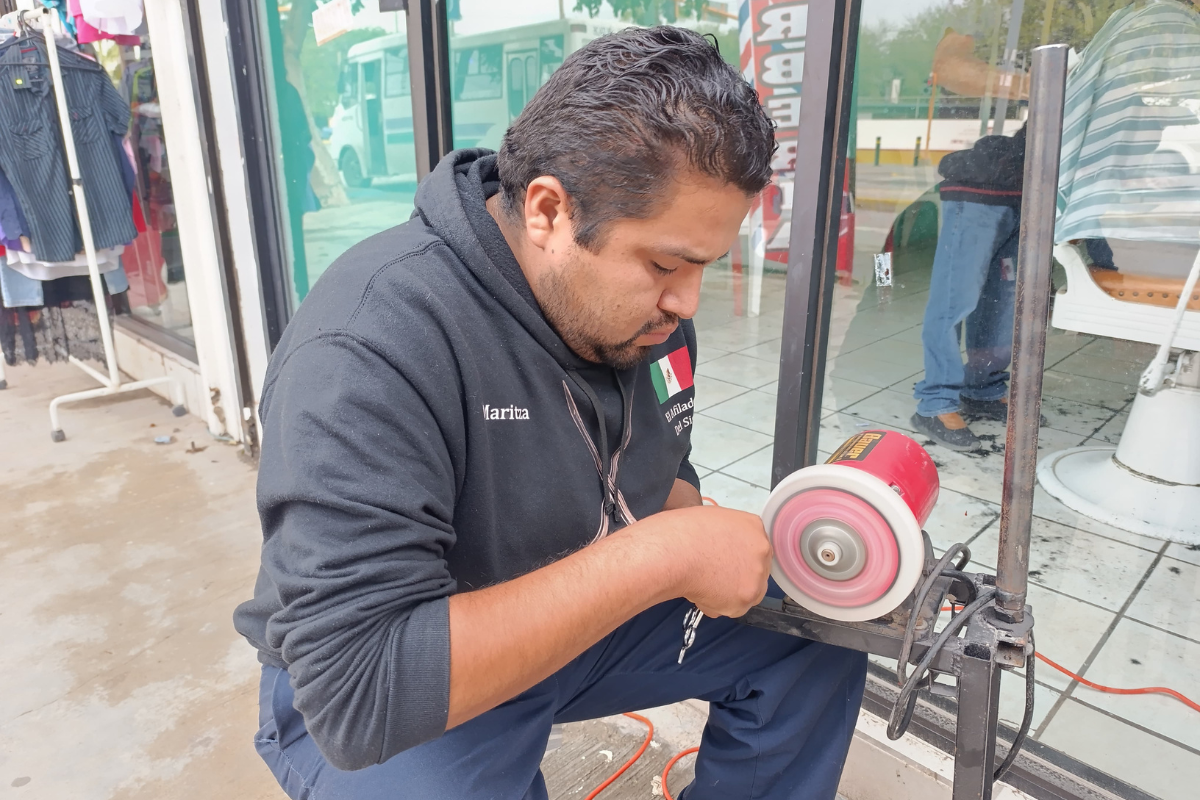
(493, 76)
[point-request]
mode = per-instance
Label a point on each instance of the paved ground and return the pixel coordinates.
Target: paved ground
(121, 561)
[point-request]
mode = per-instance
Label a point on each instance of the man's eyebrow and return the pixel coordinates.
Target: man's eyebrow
(691, 258)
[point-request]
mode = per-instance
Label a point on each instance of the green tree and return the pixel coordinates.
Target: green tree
(322, 65)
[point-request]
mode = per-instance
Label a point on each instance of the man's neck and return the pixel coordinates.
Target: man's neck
(495, 207)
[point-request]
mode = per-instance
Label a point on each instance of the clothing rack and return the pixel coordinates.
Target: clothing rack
(111, 383)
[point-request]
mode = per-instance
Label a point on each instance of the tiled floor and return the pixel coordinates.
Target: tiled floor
(1118, 608)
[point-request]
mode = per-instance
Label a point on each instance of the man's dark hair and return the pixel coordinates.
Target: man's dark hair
(624, 115)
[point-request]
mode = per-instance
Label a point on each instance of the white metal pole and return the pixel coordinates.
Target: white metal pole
(1152, 379)
(85, 222)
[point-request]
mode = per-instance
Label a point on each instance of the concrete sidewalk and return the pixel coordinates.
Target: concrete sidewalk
(121, 561)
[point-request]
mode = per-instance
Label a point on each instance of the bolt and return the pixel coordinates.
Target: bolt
(830, 554)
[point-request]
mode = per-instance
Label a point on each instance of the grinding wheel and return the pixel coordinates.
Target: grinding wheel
(847, 534)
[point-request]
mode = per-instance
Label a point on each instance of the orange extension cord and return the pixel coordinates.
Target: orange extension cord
(671, 763)
(1192, 704)
(649, 736)
(667, 769)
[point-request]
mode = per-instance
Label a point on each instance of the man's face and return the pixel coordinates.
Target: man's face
(611, 306)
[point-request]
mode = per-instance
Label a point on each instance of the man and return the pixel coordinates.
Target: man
(479, 517)
(973, 283)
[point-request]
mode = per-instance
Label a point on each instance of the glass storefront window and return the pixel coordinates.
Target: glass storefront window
(153, 262)
(343, 112)
(921, 331)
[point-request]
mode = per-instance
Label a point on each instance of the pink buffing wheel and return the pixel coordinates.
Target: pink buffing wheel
(835, 547)
(846, 535)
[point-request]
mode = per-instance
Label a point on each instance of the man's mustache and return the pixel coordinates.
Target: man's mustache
(667, 320)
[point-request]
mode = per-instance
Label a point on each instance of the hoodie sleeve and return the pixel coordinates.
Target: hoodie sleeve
(356, 495)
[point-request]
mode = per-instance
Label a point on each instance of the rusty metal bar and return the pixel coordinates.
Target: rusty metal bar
(1031, 317)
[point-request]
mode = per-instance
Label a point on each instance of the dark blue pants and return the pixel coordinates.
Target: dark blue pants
(782, 715)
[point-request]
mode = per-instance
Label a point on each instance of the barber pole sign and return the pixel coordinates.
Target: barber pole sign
(771, 37)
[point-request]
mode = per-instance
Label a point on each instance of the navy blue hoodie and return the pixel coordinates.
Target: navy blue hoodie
(425, 432)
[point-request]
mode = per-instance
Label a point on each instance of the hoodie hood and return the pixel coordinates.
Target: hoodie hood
(452, 201)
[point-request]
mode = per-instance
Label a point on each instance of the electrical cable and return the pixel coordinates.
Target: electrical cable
(667, 770)
(898, 720)
(1192, 704)
(906, 702)
(1099, 687)
(911, 683)
(910, 629)
(649, 737)
(1026, 718)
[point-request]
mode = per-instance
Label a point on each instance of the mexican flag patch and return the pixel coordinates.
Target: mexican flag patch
(671, 374)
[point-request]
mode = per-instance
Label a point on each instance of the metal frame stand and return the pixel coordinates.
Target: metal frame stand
(110, 383)
(999, 635)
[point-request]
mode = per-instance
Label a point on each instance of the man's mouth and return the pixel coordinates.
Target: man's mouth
(659, 335)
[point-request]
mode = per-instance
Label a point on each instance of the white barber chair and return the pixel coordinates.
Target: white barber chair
(1150, 482)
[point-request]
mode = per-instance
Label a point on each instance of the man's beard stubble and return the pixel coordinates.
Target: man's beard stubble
(578, 322)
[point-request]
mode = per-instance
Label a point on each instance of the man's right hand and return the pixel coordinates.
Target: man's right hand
(720, 559)
(506, 637)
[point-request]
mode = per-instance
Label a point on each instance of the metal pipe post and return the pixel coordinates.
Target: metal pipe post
(975, 731)
(1029, 327)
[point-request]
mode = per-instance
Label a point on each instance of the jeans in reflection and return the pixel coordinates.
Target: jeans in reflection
(973, 283)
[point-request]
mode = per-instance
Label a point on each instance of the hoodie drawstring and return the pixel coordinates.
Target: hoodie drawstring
(613, 505)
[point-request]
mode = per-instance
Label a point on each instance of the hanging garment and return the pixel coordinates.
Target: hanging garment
(126, 161)
(8, 25)
(137, 82)
(27, 264)
(66, 326)
(87, 32)
(31, 150)
(60, 7)
(143, 261)
(112, 16)
(12, 221)
(18, 290)
(1131, 130)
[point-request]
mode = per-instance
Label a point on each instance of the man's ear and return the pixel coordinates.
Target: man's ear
(547, 211)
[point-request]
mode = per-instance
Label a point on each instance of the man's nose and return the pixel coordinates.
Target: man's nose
(682, 296)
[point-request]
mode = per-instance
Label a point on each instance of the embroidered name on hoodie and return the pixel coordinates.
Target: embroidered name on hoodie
(505, 412)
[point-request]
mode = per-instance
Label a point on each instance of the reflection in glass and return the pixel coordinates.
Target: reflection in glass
(343, 117)
(153, 262)
(934, 178)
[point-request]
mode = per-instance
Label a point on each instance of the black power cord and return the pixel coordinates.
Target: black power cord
(906, 703)
(1026, 719)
